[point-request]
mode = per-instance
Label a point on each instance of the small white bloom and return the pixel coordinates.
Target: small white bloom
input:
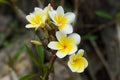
(38, 17)
(63, 21)
(66, 45)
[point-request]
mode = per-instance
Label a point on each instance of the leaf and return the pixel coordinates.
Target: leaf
(103, 14)
(32, 56)
(19, 51)
(27, 77)
(90, 37)
(40, 52)
(4, 1)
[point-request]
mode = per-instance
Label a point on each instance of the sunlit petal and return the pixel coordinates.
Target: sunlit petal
(62, 53)
(30, 26)
(80, 53)
(70, 16)
(66, 28)
(55, 45)
(52, 14)
(72, 49)
(60, 36)
(76, 37)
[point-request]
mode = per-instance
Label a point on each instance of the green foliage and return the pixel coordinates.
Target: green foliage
(27, 77)
(90, 37)
(4, 1)
(32, 56)
(103, 14)
(40, 52)
(15, 57)
(19, 51)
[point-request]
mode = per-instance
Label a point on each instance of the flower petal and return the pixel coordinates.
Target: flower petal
(80, 53)
(66, 29)
(60, 10)
(55, 45)
(69, 65)
(60, 36)
(52, 14)
(30, 26)
(30, 18)
(37, 9)
(72, 49)
(62, 53)
(85, 62)
(81, 67)
(70, 16)
(76, 37)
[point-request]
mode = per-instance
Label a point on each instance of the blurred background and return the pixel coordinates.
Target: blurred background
(97, 21)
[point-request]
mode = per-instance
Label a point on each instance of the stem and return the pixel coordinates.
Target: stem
(52, 60)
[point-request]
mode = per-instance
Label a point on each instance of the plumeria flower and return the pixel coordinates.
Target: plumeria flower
(38, 17)
(77, 63)
(62, 20)
(66, 45)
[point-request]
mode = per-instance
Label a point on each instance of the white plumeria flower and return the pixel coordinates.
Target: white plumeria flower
(77, 63)
(38, 17)
(65, 45)
(63, 21)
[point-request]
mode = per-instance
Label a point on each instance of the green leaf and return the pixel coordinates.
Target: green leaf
(103, 14)
(4, 1)
(90, 37)
(32, 56)
(19, 51)
(27, 77)
(40, 52)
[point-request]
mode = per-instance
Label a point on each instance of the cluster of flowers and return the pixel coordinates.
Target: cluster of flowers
(68, 41)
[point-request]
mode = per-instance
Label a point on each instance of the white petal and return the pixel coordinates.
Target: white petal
(30, 17)
(60, 10)
(70, 16)
(61, 53)
(52, 14)
(59, 35)
(54, 45)
(76, 37)
(67, 29)
(73, 50)
(30, 26)
(38, 9)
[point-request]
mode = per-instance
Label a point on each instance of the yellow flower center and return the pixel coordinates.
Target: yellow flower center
(60, 19)
(76, 60)
(38, 18)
